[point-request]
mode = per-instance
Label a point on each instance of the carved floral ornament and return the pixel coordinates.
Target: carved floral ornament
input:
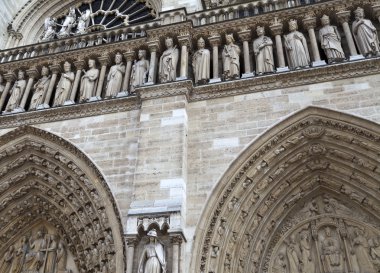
(53, 196)
(305, 190)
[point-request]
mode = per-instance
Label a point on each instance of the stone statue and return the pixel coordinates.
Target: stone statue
(51, 252)
(17, 92)
(49, 33)
(375, 248)
(40, 89)
(332, 259)
(36, 255)
(89, 81)
(293, 255)
(263, 49)
(306, 254)
(140, 71)
(83, 22)
(2, 87)
(230, 56)
(68, 24)
(201, 63)
(296, 47)
(64, 85)
(365, 35)
(331, 41)
(168, 62)
(20, 254)
(153, 256)
(360, 250)
(115, 77)
(6, 265)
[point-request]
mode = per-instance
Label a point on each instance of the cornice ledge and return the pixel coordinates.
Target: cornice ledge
(165, 90)
(288, 79)
(70, 112)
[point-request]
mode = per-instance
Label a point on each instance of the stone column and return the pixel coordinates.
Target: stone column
(79, 64)
(55, 69)
(215, 41)
(184, 41)
(9, 77)
(276, 29)
(245, 36)
(129, 56)
(344, 18)
(310, 24)
(176, 242)
(131, 244)
(32, 74)
(104, 61)
(154, 48)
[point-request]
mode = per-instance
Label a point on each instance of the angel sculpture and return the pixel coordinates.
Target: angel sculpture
(83, 22)
(68, 24)
(49, 33)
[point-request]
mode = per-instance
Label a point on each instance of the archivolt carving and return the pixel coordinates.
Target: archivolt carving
(46, 181)
(309, 184)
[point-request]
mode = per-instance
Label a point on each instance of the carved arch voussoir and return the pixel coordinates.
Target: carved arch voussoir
(45, 180)
(313, 158)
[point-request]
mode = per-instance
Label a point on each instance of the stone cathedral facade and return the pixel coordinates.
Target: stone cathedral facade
(199, 136)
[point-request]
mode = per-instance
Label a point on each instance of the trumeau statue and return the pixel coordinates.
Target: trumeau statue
(64, 85)
(40, 89)
(152, 259)
(83, 22)
(140, 71)
(68, 24)
(89, 80)
(16, 92)
(365, 35)
(115, 77)
(296, 47)
(201, 63)
(167, 70)
(231, 62)
(331, 41)
(263, 49)
(50, 31)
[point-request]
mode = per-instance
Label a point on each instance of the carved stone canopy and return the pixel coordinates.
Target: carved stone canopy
(45, 180)
(310, 182)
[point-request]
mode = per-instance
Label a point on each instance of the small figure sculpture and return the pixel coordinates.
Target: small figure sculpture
(36, 255)
(306, 253)
(51, 253)
(2, 87)
(40, 89)
(20, 254)
(201, 63)
(331, 41)
(293, 254)
(360, 249)
(115, 77)
(83, 22)
(49, 33)
(280, 265)
(296, 47)
(168, 62)
(64, 85)
(16, 92)
(89, 80)
(140, 71)
(332, 259)
(6, 265)
(365, 35)
(263, 49)
(231, 62)
(153, 256)
(68, 24)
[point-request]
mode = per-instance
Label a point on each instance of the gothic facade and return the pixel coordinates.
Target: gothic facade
(156, 136)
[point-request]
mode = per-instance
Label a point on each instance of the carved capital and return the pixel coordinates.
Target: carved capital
(245, 35)
(184, 40)
(343, 16)
(376, 10)
(10, 77)
(104, 60)
(276, 28)
(32, 73)
(154, 46)
(310, 22)
(132, 241)
(176, 239)
(55, 68)
(215, 40)
(129, 56)
(79, 64)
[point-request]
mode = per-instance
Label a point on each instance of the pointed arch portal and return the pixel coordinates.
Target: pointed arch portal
(53, 197)
(304, 197)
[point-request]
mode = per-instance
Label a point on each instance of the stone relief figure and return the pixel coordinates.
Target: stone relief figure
(35, 257)
(61, 256)
(153, 256)
(89, 80)
(306, 254)
(51, 253)
(293, 255)
(140, 71)
(64, 85)
(296, 47)
(263, 49)
(16, 92)
(201, 63)
(332, 259)
(230, 56)
(375, 248)
(20, 254)
(331, 41)
(6, 265)
(83, 22)
(280, 265)
(40, 89)
(50, 29)
(168, 62)
(68, 24)
(365, 35)
(362, 262)
(115, 77)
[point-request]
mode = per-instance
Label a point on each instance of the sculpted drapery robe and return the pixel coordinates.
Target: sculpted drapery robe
(296, 49)
(365, 36)
(153, 259)
(139, 73)
(64, 88)
(40, 89)
(88, 84)
(332, 260)
(331, 43)
(115, 80)
(168, 65)
(16, 95)
(201, 65)
(264, 55)
(231, 62)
